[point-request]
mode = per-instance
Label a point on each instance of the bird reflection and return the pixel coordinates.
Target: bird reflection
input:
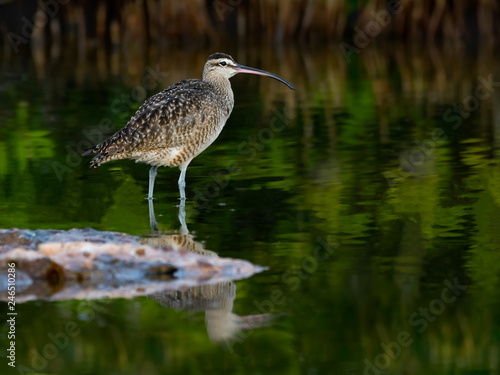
(215, 299)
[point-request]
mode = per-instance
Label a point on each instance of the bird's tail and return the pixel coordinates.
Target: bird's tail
(99, 159)
(90, 151)
(113, 148)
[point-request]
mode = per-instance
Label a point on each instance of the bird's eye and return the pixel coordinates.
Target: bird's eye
(222, 63)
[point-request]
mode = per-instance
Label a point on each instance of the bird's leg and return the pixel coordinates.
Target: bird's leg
(152, 176)
(152, 220)
(182, 217)
(182, 182)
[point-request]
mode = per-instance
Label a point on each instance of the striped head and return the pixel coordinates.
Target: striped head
(223, 65)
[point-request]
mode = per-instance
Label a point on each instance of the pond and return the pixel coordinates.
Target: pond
(371, 193)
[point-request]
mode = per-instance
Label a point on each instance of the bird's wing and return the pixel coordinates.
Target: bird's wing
(166, 119)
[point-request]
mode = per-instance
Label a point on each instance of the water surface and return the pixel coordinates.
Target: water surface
(371, 193)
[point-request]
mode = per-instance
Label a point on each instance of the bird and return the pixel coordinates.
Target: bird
(175, 125)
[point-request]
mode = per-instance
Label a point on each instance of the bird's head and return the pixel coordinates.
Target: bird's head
(221, 64)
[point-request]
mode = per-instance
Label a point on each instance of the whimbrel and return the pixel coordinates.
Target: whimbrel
(174, 126)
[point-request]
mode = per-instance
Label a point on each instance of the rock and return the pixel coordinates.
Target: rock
(85, 263)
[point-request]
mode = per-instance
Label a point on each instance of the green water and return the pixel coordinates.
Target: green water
(372, 199)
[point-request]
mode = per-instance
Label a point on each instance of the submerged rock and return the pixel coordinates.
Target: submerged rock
(85, 263)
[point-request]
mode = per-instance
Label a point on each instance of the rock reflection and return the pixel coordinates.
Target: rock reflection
(215, 299)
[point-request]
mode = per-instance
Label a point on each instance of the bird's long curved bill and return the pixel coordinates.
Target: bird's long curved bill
(247, 69)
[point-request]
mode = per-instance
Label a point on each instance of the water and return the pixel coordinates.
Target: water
(372, 199)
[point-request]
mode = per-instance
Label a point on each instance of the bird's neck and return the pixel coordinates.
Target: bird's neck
(223, 87)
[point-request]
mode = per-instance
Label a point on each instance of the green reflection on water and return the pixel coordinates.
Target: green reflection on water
(340, 171)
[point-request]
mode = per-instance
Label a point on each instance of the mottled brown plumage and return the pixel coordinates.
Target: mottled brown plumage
(171, 122)
(174, 126)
